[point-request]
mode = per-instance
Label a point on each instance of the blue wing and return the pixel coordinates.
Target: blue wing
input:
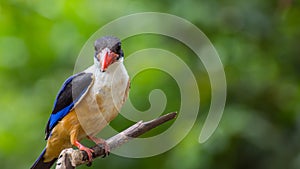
(70, 93)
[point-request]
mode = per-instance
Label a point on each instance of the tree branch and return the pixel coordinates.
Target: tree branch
(70, 158)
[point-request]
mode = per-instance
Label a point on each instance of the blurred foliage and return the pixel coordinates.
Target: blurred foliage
(258, 43)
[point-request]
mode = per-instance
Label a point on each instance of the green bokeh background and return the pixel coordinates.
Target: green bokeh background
(258, 43)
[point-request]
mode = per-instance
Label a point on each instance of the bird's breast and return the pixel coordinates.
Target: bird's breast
(104, 100)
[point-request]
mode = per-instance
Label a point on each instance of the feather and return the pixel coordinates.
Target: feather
(73, 89)
(40, 164)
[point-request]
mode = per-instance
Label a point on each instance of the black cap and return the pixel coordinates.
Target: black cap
(110, 42)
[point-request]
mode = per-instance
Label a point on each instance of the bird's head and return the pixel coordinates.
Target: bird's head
(108, 51)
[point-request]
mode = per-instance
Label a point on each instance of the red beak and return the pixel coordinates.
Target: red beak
(109, 58)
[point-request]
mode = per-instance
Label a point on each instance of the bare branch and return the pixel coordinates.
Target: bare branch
(70, 158)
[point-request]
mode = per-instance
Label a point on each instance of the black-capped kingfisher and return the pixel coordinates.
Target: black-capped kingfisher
(86, 103)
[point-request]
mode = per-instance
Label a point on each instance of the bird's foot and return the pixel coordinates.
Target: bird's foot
(86, 149)
(103, 143)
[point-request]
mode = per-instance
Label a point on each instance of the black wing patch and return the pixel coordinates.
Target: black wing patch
(73, 89)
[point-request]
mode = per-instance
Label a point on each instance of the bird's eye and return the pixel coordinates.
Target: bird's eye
(118, 48)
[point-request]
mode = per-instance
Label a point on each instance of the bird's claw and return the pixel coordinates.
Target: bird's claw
(106, 149)
(103, 143)
(89, 153)
(86, 149)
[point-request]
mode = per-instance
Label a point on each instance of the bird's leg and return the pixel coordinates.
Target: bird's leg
(86, 149)
(101, 141)
(75, 142)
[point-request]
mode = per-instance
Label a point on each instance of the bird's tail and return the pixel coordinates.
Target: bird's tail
(40, 164)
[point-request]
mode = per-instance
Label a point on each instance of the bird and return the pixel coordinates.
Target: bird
(86, 103)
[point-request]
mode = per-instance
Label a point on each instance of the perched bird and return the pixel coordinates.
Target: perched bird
(86, 103)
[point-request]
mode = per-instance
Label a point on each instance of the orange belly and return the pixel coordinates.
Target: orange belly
(63, 136)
